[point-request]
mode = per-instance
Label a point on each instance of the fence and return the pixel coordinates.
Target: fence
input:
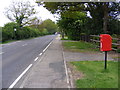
(96, 39)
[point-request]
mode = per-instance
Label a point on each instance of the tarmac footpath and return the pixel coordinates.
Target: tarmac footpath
(49, 70)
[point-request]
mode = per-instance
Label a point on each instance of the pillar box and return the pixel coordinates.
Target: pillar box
(105, 42)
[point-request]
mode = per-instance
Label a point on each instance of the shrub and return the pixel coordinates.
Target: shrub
(118, 50)
(8, 32)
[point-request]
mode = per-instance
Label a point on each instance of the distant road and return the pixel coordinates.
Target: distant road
(17, 56)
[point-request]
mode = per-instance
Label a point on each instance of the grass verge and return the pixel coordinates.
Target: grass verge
(79, 46)
(9, 41)
(95, 76)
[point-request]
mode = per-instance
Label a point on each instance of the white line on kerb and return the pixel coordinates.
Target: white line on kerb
(66, 70)
(13, 84)
(40, 54)
(36, 59)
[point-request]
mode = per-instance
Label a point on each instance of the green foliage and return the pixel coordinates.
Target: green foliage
(48, 25)
(8, 32)
(118, 50)
(0, 34)
(44, 31)
(72, 26)
(114, 27)
(73, 21)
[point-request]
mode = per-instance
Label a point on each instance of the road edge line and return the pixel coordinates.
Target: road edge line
(47, 46)
(36, 59)
(14, 83)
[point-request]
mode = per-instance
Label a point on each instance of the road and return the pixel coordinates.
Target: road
(17, 56)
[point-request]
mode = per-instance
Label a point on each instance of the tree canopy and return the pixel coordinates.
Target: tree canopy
(102, 15)
(48, 25)
(20, 12)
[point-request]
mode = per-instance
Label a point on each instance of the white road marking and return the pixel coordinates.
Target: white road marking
(40, 54)
(47, 47)
(1, 52)
(14, 83)
(36, 59)
(24, 45)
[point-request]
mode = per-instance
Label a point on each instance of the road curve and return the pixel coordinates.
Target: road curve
(17, 56)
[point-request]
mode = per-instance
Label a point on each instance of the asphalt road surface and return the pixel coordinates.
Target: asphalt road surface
(17, 56)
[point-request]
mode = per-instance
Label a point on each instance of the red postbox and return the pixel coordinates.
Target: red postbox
(105, 42)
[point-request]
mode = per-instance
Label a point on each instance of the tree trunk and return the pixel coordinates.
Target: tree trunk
(62, 34)
(105, 19)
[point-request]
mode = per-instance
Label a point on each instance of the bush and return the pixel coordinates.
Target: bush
(118, 50)
(8, 32)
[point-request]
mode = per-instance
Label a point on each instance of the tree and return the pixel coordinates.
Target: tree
(73, 24)
(8, 32)
(100, 12)
(20, 12)
(36, 22)
(49, 25)
(103, 12)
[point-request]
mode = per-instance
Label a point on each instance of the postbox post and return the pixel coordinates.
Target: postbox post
(105, 45)
(105, 60)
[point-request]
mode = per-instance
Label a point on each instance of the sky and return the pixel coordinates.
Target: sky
(42, 12)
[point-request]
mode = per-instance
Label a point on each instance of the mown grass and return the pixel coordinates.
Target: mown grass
(79, 46)
(95, 76)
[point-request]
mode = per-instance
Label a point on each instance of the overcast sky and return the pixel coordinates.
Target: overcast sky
(43, 13)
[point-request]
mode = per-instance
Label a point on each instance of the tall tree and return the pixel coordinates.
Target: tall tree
(36, 22)
(49, 25)
(20, 12)
(100, 12)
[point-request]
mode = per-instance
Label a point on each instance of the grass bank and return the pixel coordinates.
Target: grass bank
(79, 46)
(9, 41)
(95, 76)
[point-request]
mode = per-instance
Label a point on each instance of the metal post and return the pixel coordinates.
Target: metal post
(105, 59)
(15, 32)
